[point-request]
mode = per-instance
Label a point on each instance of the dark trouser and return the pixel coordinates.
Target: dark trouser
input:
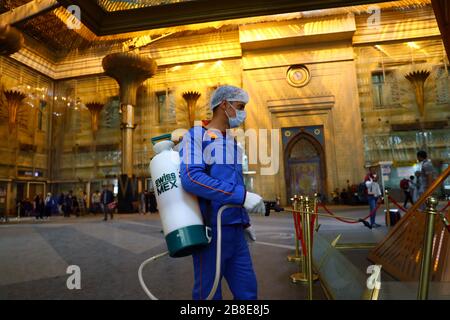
(3, 215)
(66, 210)
(107, 210)
(48, 211)
(372, 204)
(96, 208)
(407, 197)
(152, 203)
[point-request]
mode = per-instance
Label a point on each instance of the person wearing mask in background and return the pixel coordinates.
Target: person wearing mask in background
(216, 183)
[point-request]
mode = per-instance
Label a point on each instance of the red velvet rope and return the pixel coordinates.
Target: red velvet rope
(299, 230)
(313, 220)
(397, 204)
(446, 206)
(348, 221)
(404, 210)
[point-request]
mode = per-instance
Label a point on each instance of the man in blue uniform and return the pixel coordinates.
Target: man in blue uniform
(211, 169)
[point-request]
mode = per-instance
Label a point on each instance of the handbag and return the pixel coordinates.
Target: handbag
(112, 205)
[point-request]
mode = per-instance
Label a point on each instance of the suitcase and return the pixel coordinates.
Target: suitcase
(394, 215)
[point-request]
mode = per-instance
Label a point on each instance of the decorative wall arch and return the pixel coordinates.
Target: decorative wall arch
(304, 158)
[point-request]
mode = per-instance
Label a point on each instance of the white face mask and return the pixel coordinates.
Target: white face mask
(239, 119)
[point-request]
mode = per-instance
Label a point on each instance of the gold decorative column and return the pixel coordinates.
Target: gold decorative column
(14, 101)
(129, 70)
(94, 108)
(12, 109)
(417, 79)
(11, 40)
(191, 98)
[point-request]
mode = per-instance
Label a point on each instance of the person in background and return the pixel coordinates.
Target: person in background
(143, 202)
(95, 202)
(427, 172)
(106, 198)
(83, 202)
(335, 196)
(27, 207)
(68, 204)
(76, 206)
(405, 185)
(412, 188)
(49, 204)
(39, 206)
(417, 187)
(153, 206)
(61, 203)
(19, 209)
(373, 194)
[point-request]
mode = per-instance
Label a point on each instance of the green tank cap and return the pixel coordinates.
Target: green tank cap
(167, 136)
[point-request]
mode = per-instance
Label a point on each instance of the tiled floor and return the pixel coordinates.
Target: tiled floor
(34, 257)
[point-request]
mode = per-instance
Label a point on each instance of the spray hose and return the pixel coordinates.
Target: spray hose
(218, 258)
(141, 279)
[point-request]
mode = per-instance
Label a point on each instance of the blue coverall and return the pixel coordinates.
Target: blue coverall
(216, 184)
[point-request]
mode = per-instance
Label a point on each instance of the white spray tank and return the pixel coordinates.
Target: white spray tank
(179, 210)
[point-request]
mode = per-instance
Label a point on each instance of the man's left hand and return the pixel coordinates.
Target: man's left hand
(250, 234)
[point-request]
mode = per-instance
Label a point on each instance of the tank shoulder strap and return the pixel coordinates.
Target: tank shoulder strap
(208, 216)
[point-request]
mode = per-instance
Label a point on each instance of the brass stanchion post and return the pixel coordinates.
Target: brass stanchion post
(295, 257)
(425, 265)
(302, 224)
(386, 203)
(307, 232)
(299, 276)
(302, 276)
(316, 201)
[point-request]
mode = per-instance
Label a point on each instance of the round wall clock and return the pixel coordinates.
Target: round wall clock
(298, 76)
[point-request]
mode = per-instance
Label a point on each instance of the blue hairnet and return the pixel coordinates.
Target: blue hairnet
(228, 93)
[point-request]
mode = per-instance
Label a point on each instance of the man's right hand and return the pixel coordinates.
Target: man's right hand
(254, 203)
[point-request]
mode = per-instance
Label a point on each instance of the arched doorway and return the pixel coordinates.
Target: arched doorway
(304, 166)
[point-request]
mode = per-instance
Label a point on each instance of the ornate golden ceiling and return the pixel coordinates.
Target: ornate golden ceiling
(120, 5)
(6, 5)
(105, 22)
